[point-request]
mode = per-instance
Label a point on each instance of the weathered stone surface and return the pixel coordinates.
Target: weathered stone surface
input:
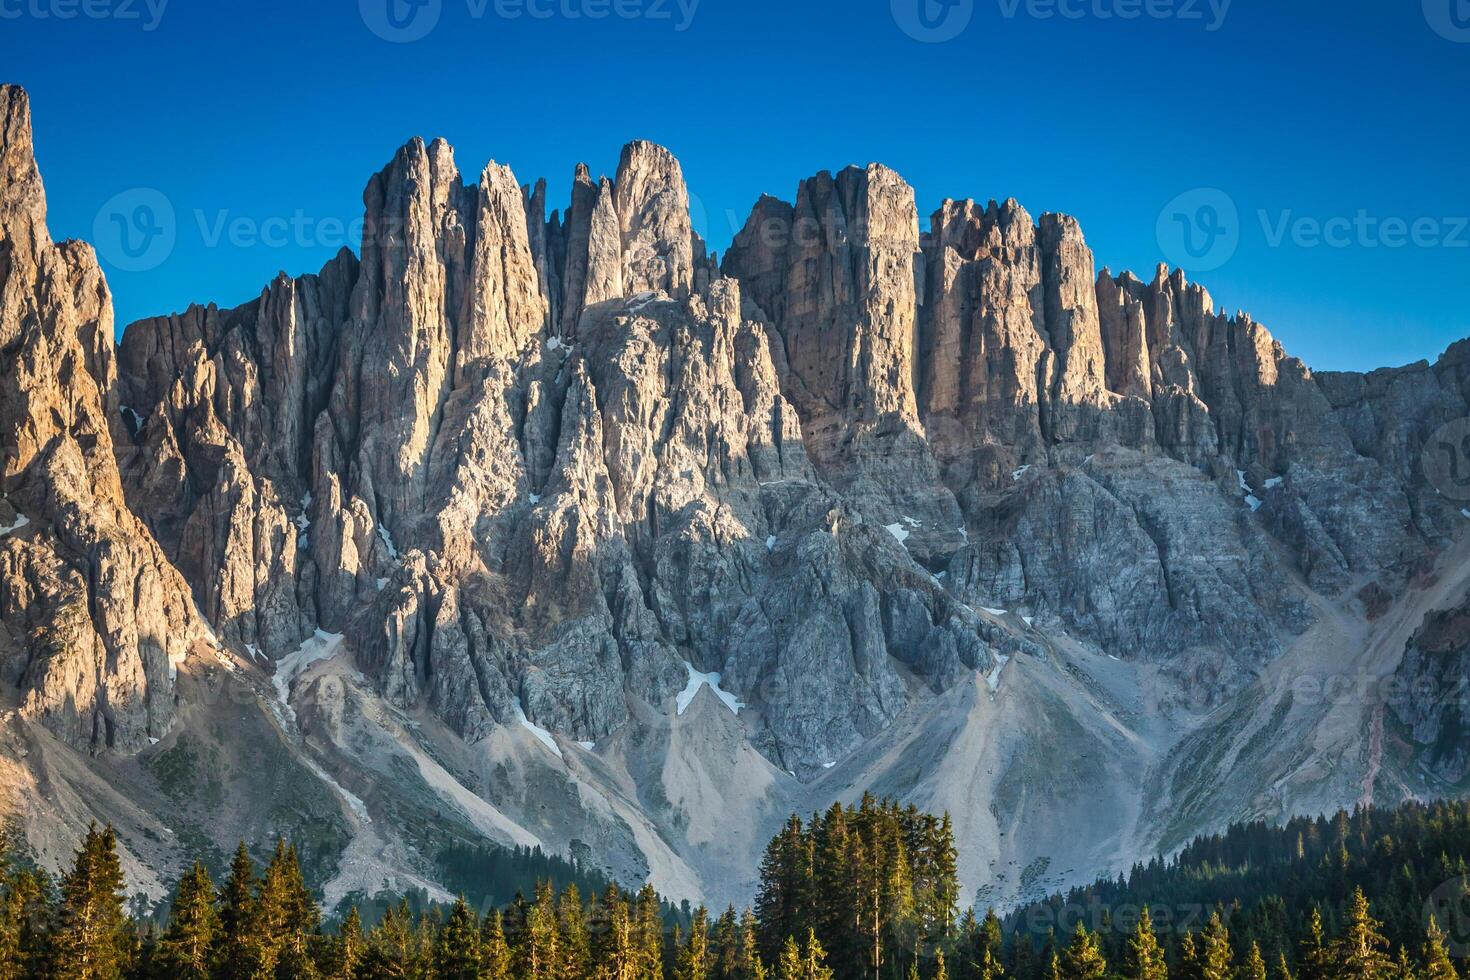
(94, 621)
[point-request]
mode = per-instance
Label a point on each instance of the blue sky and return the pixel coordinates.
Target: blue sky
(1334, 131)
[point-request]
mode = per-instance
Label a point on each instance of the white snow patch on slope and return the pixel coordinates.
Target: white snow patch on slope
(1251, 500)
(553, 343)
(354, 802)
(1016, 476)
(321, 646)
(1465, 513)
(1275, 482)
(21, 521)
(698, 680)
(541, 734)
(388, 542)
(992, 680)
(640, 301)
(993, 612)
(898, 531)
(771, 543)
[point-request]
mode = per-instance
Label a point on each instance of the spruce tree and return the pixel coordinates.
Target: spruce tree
(1437, 963)
(1255, 964)
(576, 945)
(1083, 959)
(694, 956)
(495, 952)
(1283, 969)
(92, 938)
(1314, 959)
(1361, 953)
(238, 920)
(457, 953)
(346, 948)
(1215, 955)
(188, 949)
(1144, 959)
(789, 966)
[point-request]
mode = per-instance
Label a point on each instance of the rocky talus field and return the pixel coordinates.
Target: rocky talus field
(563, 531)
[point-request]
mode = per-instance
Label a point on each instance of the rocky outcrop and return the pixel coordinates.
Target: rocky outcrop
(94, 621)
(557, 481)
(1428, 692)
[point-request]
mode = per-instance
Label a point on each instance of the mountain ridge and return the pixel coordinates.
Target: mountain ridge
(925, 503)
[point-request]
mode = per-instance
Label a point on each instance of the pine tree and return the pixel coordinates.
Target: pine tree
(814, 959)
(188, 949)
(941, 972)
(694, 957)
(1144, 959)
(1404, 968)
(92, 935)
(539, 949)
(1189, 958)
(1216, 957)
(1361, 953)
(1437, 964)
(457, 954)
(346, 949)
(494, 951)
(1255, 964)
(1283, 969)
(238, 919)
(1083, 958)
(648, 936)
(725, 951)
(1314, 958)
(576, 945)
(749, 964)
(782, 904)
(789, 966)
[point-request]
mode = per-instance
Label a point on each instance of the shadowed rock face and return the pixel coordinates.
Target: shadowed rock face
(537, 470)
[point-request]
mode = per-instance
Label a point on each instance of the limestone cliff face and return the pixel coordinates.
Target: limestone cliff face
(94, 620)
(543, 473)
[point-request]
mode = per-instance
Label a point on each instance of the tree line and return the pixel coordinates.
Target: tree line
(865, 891)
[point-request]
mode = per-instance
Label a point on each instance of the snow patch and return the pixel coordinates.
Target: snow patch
(587, 746)
(992, 680)
(541, 734)
(898, 531)
(994, 612)
(553, 343)
(382, 584)
(388, 542)
(135, 420)
(1016, 476)
(321, 646)
(1465, 514)
(21, 521)
(965, 534)
(698, 680)
(1251, 500)
(771, 543)
(303, 522)
(640, 301)
(1275, 482)
(535, 498)
(910, 522)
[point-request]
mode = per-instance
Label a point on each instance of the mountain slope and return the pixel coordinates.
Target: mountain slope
(552, 530)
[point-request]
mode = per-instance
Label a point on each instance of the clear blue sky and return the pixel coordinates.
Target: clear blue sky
(1315, 109)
